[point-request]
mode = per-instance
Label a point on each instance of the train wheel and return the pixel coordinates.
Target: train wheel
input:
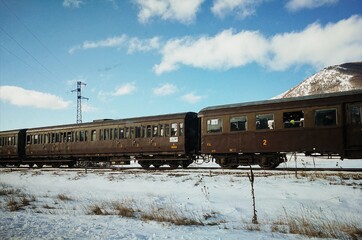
(145, 165)
(39, 165)
(269, 163)
(56, 165)
(185, 165)
(157, 165)
(31, 165)
(71, 165)
(173, 165)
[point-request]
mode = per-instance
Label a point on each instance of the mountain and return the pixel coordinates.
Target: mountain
(344, 77)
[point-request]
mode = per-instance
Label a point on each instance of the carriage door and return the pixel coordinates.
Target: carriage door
(354, 130)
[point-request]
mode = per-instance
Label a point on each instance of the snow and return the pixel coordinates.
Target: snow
(220, 199)
(328, 80)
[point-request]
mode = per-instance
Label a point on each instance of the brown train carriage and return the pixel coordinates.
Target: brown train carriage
(262, 132)
(165, 139)
(11, 147)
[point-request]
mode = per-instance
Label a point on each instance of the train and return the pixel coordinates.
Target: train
(252, 133)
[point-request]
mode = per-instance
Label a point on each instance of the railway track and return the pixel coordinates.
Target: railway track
(180, 170)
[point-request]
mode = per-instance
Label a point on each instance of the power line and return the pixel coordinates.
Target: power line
(21, 60)
(31, 55)
(36, 37)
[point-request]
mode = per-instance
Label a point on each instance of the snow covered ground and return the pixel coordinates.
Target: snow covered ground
(209, 204)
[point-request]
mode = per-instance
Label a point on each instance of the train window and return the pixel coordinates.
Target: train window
(106, 134)
(173, 129)
(132, 132)
(238, 124)
(293, 119)
(162, 130)
(137, 132)
(155, 131)
(264, 121)
(149, 131)
(93, 135)
(143, 131)
(69, 137)
(356, 117)
(36, 139)
(101, 134)
(83, 136)
(167, 130)
(115, 133)
(214, 125)
(121, 133)
(325, 117)
(126, 132)
(181, 129)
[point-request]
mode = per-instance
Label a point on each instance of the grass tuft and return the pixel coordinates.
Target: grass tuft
(64, 197)
(317, 224)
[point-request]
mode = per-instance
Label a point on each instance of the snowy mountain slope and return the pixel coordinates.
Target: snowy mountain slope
(337, 78)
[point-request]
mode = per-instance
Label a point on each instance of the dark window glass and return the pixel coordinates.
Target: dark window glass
(149, 131)
(265, 121)
(293, 119)
(167, 130)
(137, 132)
(238, 123)
(325, 117)
(121, 133)
(356, 117)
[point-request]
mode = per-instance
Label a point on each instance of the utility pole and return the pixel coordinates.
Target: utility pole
(79, 100)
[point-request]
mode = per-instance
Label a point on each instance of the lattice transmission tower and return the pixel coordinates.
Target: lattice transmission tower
(79, 100)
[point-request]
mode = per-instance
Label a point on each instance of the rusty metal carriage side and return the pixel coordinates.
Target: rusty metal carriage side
(12, 146)
(114, 140)
(251, 145)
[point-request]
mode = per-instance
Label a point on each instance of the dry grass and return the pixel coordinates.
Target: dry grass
(13, 205)
(64, 197)
(317, 224)
(95, 209)
(126, 208)
(16, 200)
(170, 215)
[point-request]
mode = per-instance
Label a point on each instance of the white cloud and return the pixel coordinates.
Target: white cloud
(143, 45)
(72, 3)
(132, 44)
(316, 45)
(242, 8)
(223, 51)
(22, 97)
(296, 5)
(125, 89)
(183, 11)
(166, 89)
(109, 42)
(191, 98)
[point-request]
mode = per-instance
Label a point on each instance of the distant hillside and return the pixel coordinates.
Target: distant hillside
(337, 78)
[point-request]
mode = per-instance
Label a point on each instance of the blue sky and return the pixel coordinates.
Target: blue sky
(150, 57)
